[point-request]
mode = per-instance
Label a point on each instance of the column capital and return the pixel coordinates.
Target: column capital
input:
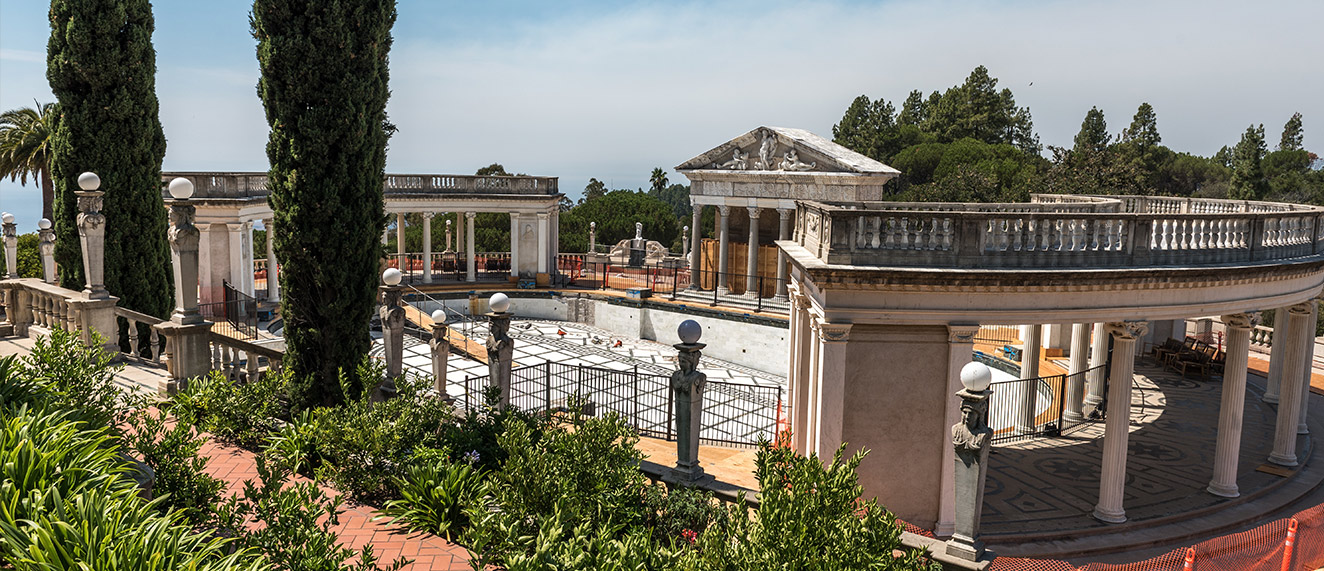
(543, 215)
(234, 227)
(248, 225)
(723, 210)
(785, 213)
(1300, 308)
(832, 332)
(961, 333)
(267, 223)
(1127, 329)
(470, 215)
(428, 215)
(1247, 320)
(754, 211)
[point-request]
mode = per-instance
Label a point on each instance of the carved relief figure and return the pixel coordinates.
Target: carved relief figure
(767, 150)
(791, 162)
(738, 161)
(638, 230)
(971, 435)
(498, 341)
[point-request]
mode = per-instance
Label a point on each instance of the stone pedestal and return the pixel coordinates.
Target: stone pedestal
(11, 247)
(189, 356)
(393, 337)
(47, 248)
(92, 234)
(637, 253)
(687, 395)
(97, 315)
(441, 354)
(500, 355)
(970, 437)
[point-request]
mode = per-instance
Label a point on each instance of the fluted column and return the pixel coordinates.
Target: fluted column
(472, 275)
(427, 247)
(696, 239)
(1299, 328)
(783, 233)
(1030, 339)
(1112, 478)
(250, 280)
(722, 241)
(752, 260)
(236, 254)
(798, 371)
(1276, 356)
(273, 270)
(543, 242)
(1080, 343)
(1098, 356)
(400, 250)
(1307, 370)
(1228, 446)
(514, 245)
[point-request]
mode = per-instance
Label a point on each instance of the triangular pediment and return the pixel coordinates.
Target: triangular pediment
(779, 149)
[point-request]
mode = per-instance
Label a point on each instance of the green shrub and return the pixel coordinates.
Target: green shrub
(681, 514)
(242, 414)
(77, 378)
(433, 498)
(476, 432)
(172, 453)
(29, 257)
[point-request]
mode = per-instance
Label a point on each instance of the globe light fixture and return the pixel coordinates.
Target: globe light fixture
(44, 224)
(976, 377)
(391, 277)
(181, 188)
(89, 181)
(689, 331)
(439, 316)
(7, 218)
(499, 303)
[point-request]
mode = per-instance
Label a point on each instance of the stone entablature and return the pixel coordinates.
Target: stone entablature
(240, 185)
(1059, 232)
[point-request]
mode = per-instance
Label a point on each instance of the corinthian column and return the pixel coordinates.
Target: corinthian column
(722, 241)
(1228, 448)
(1299, 328)
(1112, 478)
(752, 260)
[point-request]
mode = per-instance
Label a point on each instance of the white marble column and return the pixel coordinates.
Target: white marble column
(273, 269)
(1080, 348)
(472, 274)
(960, 346)
(1112, 478)
(205, 288)
(797, 380)
(722, 241)
(514, 245)
(1227, 449)
(249, 281)
(1031, 335)
(1276, 356)
(831, 402)
(783, 233)
(752, 258)
(1307, 369)
(400, 237)
(543, 242)
(696, 240)
(812, 390)
(1298, 328)
(1098, 356)
(236, 254)
(427, 247)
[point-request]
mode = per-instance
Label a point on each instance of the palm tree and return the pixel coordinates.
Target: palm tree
(658, 180)
(25, 148)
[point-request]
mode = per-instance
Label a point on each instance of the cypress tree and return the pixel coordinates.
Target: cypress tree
(102, 68)
(324, 88)
(1093, 135)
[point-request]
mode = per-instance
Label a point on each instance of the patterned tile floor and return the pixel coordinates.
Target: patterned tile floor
(1053, 484)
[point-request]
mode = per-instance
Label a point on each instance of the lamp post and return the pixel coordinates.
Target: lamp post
(971, 439)
(687, 394)
(500, 347)
(441, 353)
(47, 248)
(393, 331)
(92, 233)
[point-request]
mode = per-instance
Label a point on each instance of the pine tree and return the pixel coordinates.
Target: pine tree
(866, 126)
(1292, 136)
(102, 69)
(1248, 182)
(1093, 135)
(914, 111)
(324, 88)
(1143, 132)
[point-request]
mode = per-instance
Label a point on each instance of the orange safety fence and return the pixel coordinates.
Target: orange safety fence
(1290, 544)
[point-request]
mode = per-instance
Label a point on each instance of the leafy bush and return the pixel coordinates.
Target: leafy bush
(77, 378)
(681, 514)
(172, 452)
(433, 498)
(476, 433)
(241, 414)
(29, 257)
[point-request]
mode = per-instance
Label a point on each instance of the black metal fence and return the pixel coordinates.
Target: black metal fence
(1022, 409)
(235, 317)
(733, 413)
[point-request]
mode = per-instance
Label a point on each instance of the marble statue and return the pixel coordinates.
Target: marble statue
(791, 162)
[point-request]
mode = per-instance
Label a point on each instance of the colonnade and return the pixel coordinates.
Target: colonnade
(540, 226)
(722, 229)
(226, 253)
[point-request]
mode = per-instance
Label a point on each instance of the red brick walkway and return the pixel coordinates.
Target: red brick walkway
(357, 527)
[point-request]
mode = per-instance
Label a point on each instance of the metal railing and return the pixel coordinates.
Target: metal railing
(235, 317)
(734, 414)
(999, 334)
(1022, 409)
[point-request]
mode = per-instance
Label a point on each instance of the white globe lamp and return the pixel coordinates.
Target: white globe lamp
(7, 218)
(689, 331)
(976, 377)
(90, 181)
(181, 188)
(44, 224)
(391, 277)
(499, 303)
(439, 316)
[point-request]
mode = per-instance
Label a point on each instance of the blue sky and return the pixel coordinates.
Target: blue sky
(580, 89)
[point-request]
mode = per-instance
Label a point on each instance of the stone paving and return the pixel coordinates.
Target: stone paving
(1052, 484)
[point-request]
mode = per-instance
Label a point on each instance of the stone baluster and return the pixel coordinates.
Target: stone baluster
(251, 360)
(133, 337)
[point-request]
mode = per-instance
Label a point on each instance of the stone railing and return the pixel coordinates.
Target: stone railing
(1060, 234)
(151, 350)
(242, 361)
(242, 185)
(31, 302)
(1261, 336)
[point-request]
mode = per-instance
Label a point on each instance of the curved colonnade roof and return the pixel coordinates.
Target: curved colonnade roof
(1058, 258)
